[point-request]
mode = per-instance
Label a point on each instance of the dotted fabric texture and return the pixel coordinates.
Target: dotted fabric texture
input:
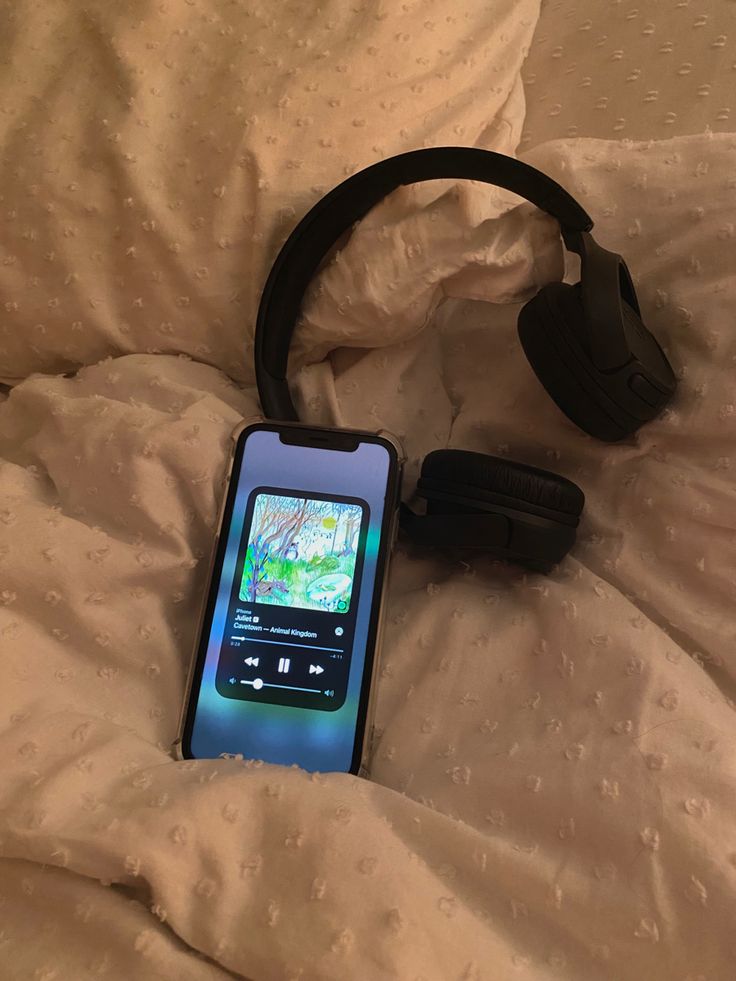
(552, 791)
(153, 156)
(644, 70)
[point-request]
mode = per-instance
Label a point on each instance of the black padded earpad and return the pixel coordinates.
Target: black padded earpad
(516, 481)
(552, 332)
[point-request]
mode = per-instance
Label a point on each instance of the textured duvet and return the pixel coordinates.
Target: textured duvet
(553, 783)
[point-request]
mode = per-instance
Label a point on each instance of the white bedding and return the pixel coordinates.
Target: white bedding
(646, 71)
(552, 790)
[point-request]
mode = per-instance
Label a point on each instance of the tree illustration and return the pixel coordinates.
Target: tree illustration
(308, 510)
(276, 521)
(351, 528)
(292, 542)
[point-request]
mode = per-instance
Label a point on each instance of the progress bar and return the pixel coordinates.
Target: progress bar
(286, 643)
(258, 683)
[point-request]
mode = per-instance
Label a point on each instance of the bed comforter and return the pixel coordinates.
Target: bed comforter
(553, 785)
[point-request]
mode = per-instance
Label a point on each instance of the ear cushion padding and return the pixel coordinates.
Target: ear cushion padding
(542, 323)
(513, 480)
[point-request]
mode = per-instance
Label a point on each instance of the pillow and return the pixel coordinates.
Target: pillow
(630, 71)
(155, 157)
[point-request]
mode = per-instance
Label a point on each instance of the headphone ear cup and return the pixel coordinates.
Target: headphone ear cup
(552, 332)
(518, 483)
(517, 512)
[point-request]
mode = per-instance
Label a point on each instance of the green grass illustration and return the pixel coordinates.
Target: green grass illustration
(318, 584)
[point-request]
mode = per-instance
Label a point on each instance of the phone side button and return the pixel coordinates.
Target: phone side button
(228, 471)
(221, 514)
(395, 529)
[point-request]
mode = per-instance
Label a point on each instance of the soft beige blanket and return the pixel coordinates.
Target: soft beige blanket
(553, 788)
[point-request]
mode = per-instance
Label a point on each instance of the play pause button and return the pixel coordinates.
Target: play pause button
(315, 669)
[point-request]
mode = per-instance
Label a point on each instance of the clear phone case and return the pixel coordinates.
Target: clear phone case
(368, 730)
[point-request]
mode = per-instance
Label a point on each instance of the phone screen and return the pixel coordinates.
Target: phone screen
(287, 642)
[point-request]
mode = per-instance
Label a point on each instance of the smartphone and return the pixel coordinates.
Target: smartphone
(288, 641)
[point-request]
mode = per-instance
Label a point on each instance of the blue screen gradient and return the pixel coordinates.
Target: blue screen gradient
(313, 739)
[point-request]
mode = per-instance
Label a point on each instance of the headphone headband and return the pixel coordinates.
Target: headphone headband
(346, 204)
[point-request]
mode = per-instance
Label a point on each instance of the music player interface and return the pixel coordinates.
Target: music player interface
(291, 616)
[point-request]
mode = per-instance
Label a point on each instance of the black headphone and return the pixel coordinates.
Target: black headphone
(586, 343)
